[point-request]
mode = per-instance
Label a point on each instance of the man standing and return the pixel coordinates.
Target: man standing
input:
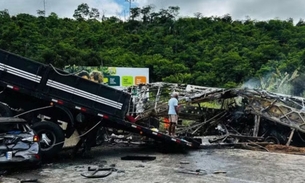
(173, 113)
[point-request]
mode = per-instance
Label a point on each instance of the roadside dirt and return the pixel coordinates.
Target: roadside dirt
(286, 149)
(219, 166)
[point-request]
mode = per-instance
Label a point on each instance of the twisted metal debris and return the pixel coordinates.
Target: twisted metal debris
(232, 115)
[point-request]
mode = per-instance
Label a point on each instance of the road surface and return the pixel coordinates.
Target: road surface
(220, 166)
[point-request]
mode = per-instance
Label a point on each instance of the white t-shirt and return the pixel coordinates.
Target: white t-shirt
(172, 103)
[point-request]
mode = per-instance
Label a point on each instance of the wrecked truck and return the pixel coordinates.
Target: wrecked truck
(57, 104)
(229, 115)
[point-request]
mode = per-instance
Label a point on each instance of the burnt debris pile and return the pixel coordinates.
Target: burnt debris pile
(227, 116)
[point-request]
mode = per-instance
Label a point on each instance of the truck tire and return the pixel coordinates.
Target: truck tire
(5, 111)
(53, 139)
(101, 136)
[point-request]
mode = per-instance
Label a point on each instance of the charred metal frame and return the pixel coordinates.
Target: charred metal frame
(263, 107)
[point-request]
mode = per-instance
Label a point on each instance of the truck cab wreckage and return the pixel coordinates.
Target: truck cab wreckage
(230, 116)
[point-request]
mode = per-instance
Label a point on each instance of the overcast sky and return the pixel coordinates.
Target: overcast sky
(238, 9)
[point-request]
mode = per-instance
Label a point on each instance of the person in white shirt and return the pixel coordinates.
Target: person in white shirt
(173, 113)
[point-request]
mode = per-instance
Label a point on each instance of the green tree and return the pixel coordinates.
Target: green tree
(210, 51)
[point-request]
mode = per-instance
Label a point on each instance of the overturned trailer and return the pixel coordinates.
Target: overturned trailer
(233, 115)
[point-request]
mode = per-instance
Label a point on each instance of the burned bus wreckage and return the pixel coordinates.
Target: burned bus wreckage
(228, 116)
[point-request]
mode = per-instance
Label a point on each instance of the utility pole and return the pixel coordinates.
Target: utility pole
(129, 1)
(124, 15)
(44, 7)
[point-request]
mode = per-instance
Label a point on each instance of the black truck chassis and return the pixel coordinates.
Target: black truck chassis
(31, 89)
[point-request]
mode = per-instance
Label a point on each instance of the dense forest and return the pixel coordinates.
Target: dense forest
(208, 51)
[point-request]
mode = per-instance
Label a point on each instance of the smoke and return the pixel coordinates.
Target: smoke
(252, 83)
(288, 84)
(298, 86)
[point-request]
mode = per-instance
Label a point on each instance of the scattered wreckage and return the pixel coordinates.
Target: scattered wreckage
(230, 116)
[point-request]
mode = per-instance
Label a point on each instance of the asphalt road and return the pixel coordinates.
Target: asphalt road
(219, 166)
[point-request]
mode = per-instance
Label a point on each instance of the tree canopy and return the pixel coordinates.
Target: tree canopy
(208, 51)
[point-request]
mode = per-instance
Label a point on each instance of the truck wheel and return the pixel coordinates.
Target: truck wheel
(51, 137)
(101, 136)
(272, 139)
(5, 111)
